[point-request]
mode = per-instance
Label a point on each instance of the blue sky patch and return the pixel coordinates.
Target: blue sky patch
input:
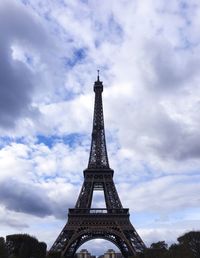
(72, 140)
(6, 140)
(78, 56)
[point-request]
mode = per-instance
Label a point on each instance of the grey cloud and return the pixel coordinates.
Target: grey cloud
(15, 89)
(189, 146)
(17, 23)
(175, 193)
(167, 134)
(34, 200)
(24, 198)
(157, 132)
(172, 139)
(171, 77)
(111, 31)
(172, 68)
(16, 79)
(13, 223)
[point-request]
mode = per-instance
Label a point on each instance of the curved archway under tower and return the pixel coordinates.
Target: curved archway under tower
(84, 235)
(99, 246)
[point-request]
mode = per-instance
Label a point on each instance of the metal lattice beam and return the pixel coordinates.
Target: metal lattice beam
(98, 152)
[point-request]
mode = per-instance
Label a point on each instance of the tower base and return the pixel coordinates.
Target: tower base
(87, 224)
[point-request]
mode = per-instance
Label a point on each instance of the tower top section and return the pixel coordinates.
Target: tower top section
(98, 85)
(98, 153)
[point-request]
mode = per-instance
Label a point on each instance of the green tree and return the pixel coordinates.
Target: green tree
(3, 249)
(188, 246)
(53, 255)
(179, 251)
(156, 250)
(174, 251)
(161, 245)
(41, 249)
(25, 246)
(191, 242)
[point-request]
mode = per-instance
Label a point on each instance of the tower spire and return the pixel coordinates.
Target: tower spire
(98, 152)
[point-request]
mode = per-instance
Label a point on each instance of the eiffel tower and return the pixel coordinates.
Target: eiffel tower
(85, 223)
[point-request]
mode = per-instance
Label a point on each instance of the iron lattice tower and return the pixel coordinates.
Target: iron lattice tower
(85, 223)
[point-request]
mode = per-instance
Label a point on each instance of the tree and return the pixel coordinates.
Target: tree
(156, 250)
(161, 245)
(191, 242)
(54, 255)
(41, 249)
(3, 249)
(25, 246)
(188, 246)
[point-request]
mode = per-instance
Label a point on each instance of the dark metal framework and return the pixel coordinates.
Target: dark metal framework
(85, 223)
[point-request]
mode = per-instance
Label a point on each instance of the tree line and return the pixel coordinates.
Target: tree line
(22, 246)
(188, 246)
(25, 246)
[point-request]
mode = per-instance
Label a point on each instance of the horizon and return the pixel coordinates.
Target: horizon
(148, 54)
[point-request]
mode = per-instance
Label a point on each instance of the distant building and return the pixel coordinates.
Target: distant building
(119, 255)
(112, 254)
(84, 254)
(109, 254)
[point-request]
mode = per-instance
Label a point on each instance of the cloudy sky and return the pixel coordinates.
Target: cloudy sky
(148, 52)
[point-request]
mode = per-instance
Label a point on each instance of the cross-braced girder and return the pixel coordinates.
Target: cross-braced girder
(104, 182)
